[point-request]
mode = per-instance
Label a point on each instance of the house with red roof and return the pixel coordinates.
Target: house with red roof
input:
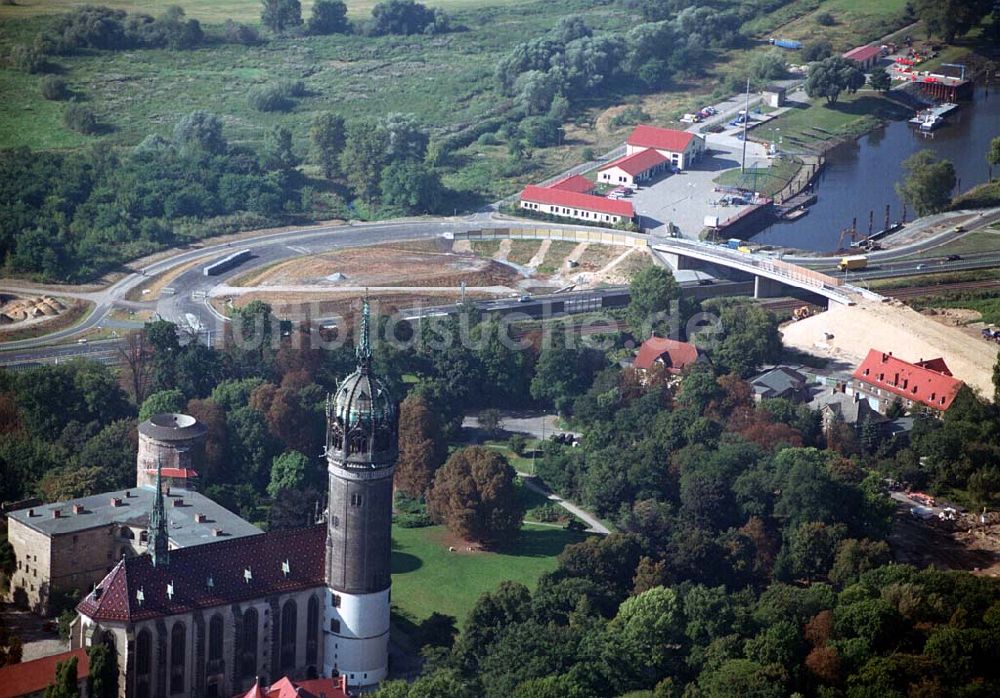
(632, 169)
(681, 148)
(577, 183)
(311, 688)
(571, 204)
(672, 354)
(864, 56)
(30, 679)
(883, 378)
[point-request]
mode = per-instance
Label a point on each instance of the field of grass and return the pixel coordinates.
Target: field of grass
(214, 11)
(521, 251)
(554, 258)
(976, 242)
(855, 21)
(767, 180)
(426, 577)
(949, 277)
(810, 126)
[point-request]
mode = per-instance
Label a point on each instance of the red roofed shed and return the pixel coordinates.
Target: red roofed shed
(882, 377)
(577, 183)
(32, 678)
(864, 56)
(674, 355)
(634, 168)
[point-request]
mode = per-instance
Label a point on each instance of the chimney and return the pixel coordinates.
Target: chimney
(56, 514)
(116, 501)
(77, 508)
(31, 512)
(128, 494)
(199, 518)
(885, 357)
(179, 502)
(217, 532)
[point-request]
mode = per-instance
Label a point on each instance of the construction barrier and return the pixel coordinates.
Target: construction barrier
(602, 237)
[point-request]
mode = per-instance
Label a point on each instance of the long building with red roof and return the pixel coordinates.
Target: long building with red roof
(30, 679)
(577, 183)
(571, 204)
(864, 56)
(883, 378)
(681, 148)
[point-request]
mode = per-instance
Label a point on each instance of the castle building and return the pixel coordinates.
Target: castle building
(215, 620)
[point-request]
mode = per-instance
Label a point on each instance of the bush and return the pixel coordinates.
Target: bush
(81, 119)
(816, 50)
(825, 19)
(546, 513)
(488, 139)
(269, 98)
(237, 33)
(412, 520)
(28, 58)
(54, 88)
(630, 116)
(518, 443)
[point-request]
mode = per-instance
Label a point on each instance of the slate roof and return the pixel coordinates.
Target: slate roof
(572, 199)
(133, 509)
(927, 382)
(852, 410)
(778, 381)
(637, 163)
(674, 354)
(26, 678)
(210, 575)
(667, 139)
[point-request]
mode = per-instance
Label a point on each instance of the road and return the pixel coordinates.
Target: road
(594, 524)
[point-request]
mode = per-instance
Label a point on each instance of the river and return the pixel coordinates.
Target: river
(860, 176)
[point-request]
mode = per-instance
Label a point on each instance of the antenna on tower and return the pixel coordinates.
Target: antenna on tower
(364, 351)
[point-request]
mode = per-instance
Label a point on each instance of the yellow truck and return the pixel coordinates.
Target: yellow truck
(853, 263)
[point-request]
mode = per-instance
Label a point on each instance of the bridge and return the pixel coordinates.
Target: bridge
(771, 275)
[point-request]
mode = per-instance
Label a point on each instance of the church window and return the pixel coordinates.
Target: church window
(312, 630)
(335, 600)
(289, 629)
(215, 643)
(178, 641)
(335, 626)
(356, 499)
(248, 659)
(335, 521)
(143, 653)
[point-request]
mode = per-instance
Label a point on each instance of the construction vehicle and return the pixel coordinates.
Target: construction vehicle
(802, 312)
(853, 262)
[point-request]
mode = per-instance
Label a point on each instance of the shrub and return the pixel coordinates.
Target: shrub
(825, 19)
(54, 88)
(816, 50)
(81, 119)
(518, 443)
(27, 58)
(237, 33)
(630, 116)
(269, 98)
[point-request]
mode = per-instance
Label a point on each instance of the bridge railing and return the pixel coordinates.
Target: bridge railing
(597, 235)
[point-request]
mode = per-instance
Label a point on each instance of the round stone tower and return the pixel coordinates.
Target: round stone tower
(361, 443)
(174, 441)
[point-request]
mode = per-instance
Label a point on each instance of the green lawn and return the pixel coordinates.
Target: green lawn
(767, 180)
(809, 126)
(855, 21)
(427, 577)
(976, 242)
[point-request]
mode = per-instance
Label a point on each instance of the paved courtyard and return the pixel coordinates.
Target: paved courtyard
(684, 199)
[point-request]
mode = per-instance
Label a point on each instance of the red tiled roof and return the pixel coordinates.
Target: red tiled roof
(224, 563)
(175, 472)
(928, 382)
(572, 199)
(660, 138)
(862, 53)
(637, 163)
(30, 677)
(676, 355)
(577, 183)
(312, 688)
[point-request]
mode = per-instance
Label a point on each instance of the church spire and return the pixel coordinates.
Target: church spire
(158, 545)
(364, 350)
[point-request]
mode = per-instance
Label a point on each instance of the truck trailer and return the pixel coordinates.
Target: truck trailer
(853, 263)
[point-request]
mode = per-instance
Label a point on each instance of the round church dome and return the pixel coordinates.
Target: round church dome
(362, 396)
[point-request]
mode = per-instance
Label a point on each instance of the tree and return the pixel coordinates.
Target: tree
(490, 421)
(200, 130)
(103, 679)
(652, 294)
(279, 15)
(278, 152)
(765, 66)
(645, 637)
(879, 79)
(834, 75)
(421, 448)
(474, 495)
(412, 186)
(164, 401)
(136, 353)
(329, 17)
(289, 471)
(327, 139)
(993, 156)
(951, 18)
(65, 684)
(406, 17)
(741, 677)
(928, 184)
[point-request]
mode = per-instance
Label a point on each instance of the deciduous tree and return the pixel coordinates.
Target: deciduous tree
(279, 15)
(928, 184)
(329, 17)
(832, 76)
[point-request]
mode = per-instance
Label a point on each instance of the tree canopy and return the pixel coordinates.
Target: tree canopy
(832, 76)
(928, 184)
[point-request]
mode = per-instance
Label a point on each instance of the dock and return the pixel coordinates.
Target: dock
(929, 119)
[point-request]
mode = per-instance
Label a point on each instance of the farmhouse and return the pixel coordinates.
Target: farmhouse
(672, 354)
(865, 56)
(681, 148)
(571, 204)
(883, 378)
(632, 169)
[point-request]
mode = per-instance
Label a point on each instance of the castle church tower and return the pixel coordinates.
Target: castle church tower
(361, 449)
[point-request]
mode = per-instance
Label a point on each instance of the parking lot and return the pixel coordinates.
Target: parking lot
(684, 199)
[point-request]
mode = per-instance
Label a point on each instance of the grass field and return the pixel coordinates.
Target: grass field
(426, 577)
(808, 127)
(214, 11)
(767, 180)
(976, 242)
(855, 21)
